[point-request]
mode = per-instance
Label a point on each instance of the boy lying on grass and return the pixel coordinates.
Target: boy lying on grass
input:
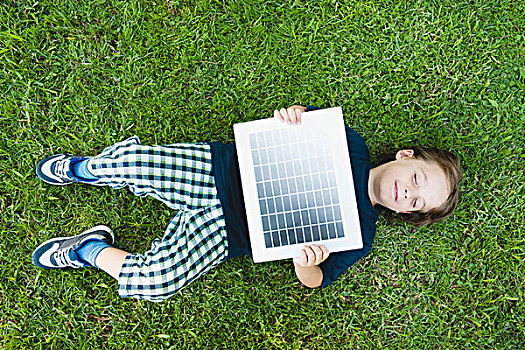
(202, 183)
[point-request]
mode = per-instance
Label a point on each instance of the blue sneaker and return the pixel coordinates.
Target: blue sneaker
(60, 252)
(58, 170)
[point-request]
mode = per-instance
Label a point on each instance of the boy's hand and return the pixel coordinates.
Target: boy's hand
(312, 255)
(292, 115)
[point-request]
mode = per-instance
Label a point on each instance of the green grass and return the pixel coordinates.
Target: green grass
(76, 76)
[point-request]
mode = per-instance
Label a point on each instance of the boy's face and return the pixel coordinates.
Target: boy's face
(408, 184)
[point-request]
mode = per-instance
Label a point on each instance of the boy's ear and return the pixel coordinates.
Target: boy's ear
(404, 153)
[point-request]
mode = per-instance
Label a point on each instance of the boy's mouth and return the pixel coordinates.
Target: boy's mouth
(395, 191)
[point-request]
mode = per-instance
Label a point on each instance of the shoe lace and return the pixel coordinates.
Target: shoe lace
(63, 259)
(62, 168)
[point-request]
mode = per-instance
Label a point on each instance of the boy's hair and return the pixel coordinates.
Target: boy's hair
(449, 163)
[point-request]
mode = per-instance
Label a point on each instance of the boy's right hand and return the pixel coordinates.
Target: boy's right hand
(292, 115)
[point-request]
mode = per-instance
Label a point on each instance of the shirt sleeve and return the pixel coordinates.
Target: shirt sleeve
(312, 108)
(339, 262)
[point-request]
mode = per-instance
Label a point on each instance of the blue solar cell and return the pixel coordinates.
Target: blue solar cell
(262, 205)
(304, 217)
(269, 139)
(273, 222)
(299, 235)
(266, 172)
(335, 197)
(291, 236)
(271, 205)
(315, 233)
(292, 186)
(271, 155)
(308, 183)
(279, 204)
(253, 141)
(256, 159)
(260, 190)
(287, 152)
(284, 237)
(324, 231)
(276, 137)
(276, 188)
(281, 169)
(287, 204)
(306, 166)
(268, 189)
(297, 218)
(313, 216)
(326, 197)
(265, 223)
(279, 154)
(258, 173)
(267, 240)
(314, 167)
(340, 229)
(284, 186)
(297, 167)
(263, 156)
(324, 181)
(303, 154)
(295, 201)
(321, 164)
(281, 221)
(300, 183)
(331, 231)
(318, 198)
(289, 219)
(321, 215)
(310, 198)
(329, 214)
(275, 239)
(302, 201)
(261, 140)
(273, 172)
(331, 179)
(337, 213)
(307, 230)
(289, 169)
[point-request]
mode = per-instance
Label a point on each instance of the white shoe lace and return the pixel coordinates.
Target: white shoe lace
(62, 168)
(62, 259)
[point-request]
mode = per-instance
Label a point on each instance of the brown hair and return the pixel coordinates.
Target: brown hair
(449, 163)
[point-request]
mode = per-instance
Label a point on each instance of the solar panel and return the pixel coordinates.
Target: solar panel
(297, 184)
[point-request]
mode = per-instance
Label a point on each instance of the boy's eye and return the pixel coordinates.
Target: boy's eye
(415, 203)
(415, 179)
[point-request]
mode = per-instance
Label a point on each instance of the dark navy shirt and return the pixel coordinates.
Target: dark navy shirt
(229, 189)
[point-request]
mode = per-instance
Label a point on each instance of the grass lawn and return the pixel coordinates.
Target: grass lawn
(77, 76)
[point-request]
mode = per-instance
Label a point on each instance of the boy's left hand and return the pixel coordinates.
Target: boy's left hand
(292, 115)
(312, 255)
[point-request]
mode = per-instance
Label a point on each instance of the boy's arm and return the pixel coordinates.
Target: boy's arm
(307, 265)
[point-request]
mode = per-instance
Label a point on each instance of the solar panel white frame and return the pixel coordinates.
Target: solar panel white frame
(316, 156)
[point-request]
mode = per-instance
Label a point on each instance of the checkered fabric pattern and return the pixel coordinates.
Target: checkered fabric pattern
(179, 175)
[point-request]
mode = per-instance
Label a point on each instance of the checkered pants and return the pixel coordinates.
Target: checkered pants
(195, 240)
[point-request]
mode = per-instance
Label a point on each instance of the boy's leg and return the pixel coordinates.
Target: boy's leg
(180, 175)
(194, 243)
(111, 260)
